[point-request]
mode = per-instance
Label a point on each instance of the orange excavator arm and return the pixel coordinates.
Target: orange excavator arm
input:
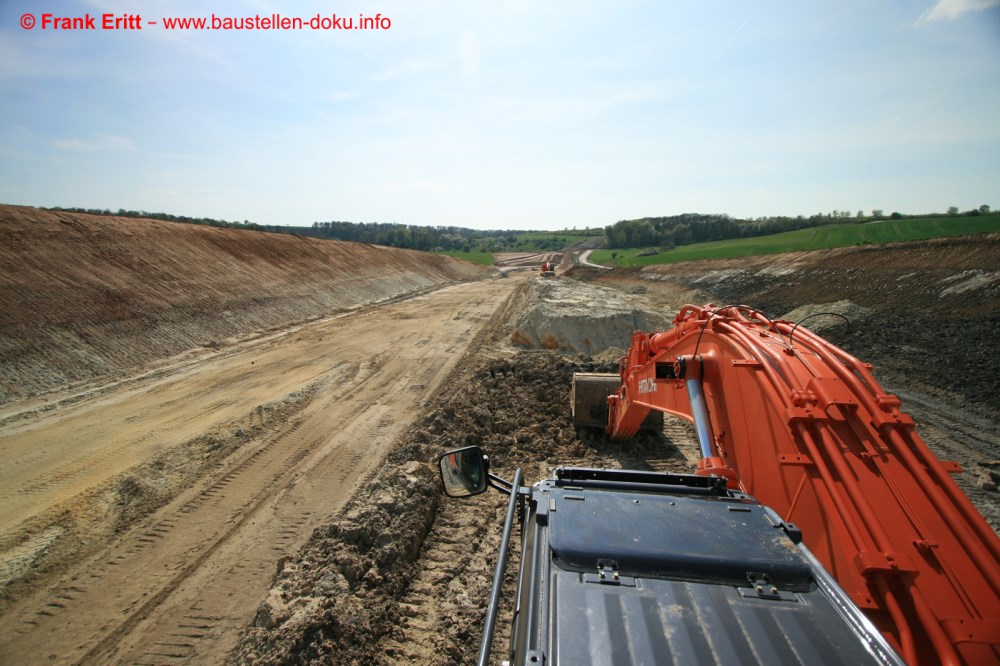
(804, 427)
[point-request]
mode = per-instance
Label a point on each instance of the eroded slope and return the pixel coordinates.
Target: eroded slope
(85, 297)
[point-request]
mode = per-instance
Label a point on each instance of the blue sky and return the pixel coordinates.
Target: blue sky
(506, 115)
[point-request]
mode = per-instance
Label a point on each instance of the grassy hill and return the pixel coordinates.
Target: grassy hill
(834, 235)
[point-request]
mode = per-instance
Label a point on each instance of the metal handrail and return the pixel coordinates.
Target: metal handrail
(494, 608)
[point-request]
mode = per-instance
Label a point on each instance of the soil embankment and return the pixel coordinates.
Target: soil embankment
(85, 297)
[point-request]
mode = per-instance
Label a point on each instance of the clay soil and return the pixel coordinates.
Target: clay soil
(271, 498)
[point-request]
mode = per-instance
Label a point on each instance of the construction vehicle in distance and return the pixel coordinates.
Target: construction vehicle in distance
(633, 567)
(786, 417)
(548, 269)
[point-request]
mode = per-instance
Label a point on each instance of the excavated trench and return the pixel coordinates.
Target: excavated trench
(403, 574)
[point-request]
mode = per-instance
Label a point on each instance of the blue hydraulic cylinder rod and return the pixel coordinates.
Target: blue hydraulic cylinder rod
(699, 412)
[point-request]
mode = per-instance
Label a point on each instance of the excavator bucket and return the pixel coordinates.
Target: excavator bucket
(589, 401)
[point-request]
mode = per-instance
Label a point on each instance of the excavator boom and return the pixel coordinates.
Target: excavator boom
(804, 426)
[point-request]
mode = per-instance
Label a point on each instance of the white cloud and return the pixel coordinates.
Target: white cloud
(469, 53)
(947, 10)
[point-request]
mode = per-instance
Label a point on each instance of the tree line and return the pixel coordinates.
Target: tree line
(670, 231)
(661, 232)
(376, 233)
(459, 239)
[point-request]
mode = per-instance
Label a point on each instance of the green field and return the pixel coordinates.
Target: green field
(834, 235)
(484, 258)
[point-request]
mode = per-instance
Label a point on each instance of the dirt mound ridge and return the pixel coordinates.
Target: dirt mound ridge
(84, 297)
(571, 316)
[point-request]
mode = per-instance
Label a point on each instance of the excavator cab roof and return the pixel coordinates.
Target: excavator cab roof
(638, 567)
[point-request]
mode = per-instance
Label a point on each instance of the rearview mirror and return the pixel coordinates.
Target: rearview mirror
(463, 472)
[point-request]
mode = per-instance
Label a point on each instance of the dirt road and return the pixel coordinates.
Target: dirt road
(304, 416)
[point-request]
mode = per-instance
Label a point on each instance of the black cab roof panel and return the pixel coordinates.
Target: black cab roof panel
(672, 536)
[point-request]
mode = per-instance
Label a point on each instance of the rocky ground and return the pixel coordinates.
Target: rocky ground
(414, 590)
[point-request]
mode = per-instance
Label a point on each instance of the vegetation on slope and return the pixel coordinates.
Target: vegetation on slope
(675, 230)
(834, 235)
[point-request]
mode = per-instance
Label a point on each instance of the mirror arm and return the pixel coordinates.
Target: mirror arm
(498, 483)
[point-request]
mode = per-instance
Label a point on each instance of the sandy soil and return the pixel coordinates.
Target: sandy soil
(261, 479)
(85, 297)
(272, 499)
(531, 260)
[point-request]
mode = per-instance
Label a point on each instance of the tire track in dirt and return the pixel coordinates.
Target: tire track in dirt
(145, 555)
(443, 607)
(179, 587)
(352, 453)
(453, 547)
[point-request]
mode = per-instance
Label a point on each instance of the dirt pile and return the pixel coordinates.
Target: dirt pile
(831, 320)
(337, 597)
(403, 576)
(564, 315)
(85, 297)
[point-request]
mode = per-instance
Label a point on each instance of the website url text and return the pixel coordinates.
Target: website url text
(256, 22)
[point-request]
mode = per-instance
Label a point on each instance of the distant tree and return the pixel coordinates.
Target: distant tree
(984, 210)
(682, 234)
(896, 216)
(953, 210)
(860, 214)
(877, 212)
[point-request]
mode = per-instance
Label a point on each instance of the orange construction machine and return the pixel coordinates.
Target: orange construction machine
(803, 426)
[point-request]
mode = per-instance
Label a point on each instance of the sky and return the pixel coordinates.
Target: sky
(511, 114)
